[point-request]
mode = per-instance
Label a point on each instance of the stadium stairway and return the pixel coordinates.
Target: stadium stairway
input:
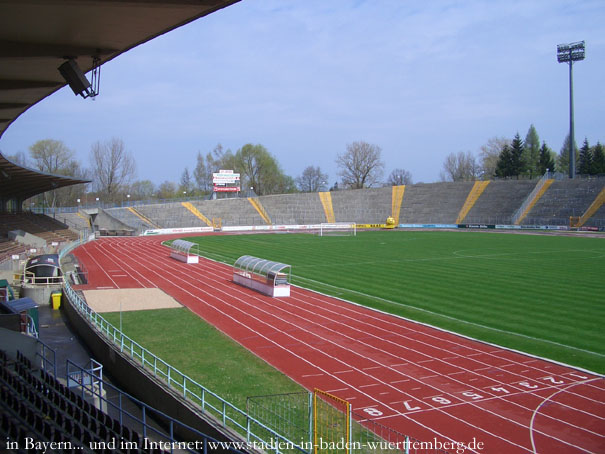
(258, 206)
(328, 206)
(534, 196)
(564, 199)
(436, 203)
(593, 208)
(396, 201)
(293, 209)
(499, 201)
(231, 211)
(471, 199)
(125, 217)
(197, 213)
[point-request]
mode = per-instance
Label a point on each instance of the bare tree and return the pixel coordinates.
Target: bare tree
(361, 165)
(460, 166)
(489, 155)
(167, 190)
(202, 173)
(186, 187)
(50, 156)
(142, 190)
(312, 180)
(112, 166)
(53, 156)
(399, 177)
(18, 158)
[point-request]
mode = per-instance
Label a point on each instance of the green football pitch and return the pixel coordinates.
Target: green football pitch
(540, 294)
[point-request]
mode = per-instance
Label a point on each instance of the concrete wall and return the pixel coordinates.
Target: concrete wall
(28, 239)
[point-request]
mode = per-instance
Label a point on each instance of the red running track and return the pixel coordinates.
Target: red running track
(418, 380)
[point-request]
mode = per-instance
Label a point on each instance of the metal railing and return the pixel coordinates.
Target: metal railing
(531, 197)
(209, 402)
(157, 428)
(48, 358)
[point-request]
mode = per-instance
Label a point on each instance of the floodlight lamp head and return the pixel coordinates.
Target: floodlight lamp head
(567, 53)
(76, 79)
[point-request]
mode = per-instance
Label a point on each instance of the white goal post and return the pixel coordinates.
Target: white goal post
(338, 229)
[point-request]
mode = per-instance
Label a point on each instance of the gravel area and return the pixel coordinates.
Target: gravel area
(128, 299)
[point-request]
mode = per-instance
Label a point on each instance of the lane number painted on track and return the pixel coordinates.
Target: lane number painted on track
(373, 411)
(553, 380)
(500, 389)
(409, 407)
(472, 395)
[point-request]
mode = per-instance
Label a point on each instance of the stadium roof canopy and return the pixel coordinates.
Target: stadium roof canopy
(37, 36)
(20, 183)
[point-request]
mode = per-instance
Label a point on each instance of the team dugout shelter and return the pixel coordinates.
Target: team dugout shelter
(265, 276)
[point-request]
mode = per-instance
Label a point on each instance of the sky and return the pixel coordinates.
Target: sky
(305, 78)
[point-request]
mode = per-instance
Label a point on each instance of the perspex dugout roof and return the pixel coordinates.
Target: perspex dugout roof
(259, 266)
(183, 246)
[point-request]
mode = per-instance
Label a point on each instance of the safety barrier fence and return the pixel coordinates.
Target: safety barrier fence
(209, 402)
(157, 428)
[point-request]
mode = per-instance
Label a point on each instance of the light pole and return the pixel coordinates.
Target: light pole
(568, 53)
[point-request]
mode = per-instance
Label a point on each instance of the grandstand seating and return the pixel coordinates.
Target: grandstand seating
(597, 219)
(127, 217)
(8, 248)
(563, 199)
(436, 203)
(39, 225)
(168, 215)
(231, 211)
(78, 220)
(303, 208)
(499, 201)
(36, 405)
(364, 206)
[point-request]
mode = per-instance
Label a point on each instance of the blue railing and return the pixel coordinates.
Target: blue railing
(144, 420)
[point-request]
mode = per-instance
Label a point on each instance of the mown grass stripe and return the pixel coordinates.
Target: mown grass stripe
(545, 290)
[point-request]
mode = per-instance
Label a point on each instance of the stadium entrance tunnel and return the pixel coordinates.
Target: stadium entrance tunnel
(264, 276)
(41, 277)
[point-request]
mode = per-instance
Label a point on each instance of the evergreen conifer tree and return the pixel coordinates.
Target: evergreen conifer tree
(546, 161)
(598, 159)
(531, 152)
(585, 161)
(517, 150)
(504, 166)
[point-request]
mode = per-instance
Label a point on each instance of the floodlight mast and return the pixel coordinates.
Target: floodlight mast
(568, 53)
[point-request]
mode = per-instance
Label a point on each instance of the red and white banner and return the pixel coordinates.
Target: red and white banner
(227, 188)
